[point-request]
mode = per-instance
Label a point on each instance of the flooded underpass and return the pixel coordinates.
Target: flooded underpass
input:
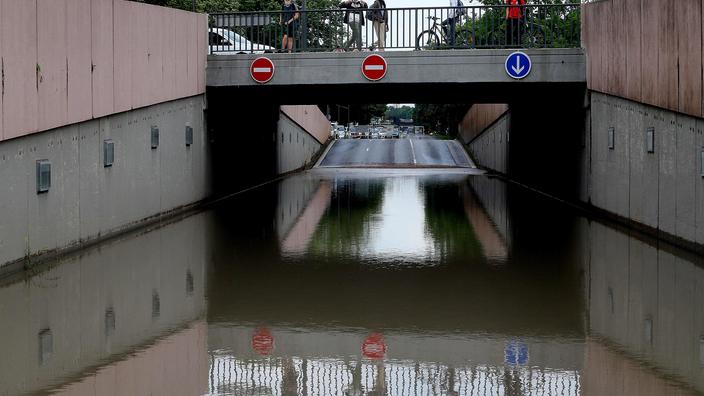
(364, 281)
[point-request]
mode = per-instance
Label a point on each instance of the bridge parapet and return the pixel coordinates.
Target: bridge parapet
(488, 27)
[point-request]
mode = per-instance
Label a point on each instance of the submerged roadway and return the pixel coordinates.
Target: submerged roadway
(396, 153)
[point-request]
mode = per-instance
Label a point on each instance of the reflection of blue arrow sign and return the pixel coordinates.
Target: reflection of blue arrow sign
(518, 65)
(516, 353)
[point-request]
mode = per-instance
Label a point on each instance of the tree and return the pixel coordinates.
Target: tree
(440, 118)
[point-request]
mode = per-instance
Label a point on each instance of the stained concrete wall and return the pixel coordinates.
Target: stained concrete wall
(71, 301)
(479, 117)
(295, 146)
(68, 61)
(88, 200)
(664, 189)
(310, 118)
(490, 148)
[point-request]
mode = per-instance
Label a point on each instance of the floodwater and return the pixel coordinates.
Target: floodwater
(339, 282)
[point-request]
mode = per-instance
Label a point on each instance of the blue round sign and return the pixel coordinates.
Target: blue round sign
(518, 65)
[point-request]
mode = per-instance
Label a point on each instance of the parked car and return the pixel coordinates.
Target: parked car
(226, 42)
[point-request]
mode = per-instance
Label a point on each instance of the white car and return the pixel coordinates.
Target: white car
(226, 42)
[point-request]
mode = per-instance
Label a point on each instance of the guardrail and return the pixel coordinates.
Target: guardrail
(533, 26)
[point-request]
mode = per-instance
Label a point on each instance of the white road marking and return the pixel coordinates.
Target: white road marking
(373, 67)
(261, 70)
(413, 151)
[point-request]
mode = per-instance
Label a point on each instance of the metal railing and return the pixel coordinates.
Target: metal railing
(538, 26)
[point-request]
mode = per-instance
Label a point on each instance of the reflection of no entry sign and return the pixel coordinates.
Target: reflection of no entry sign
(262, 70)
(263, 341)
(373, 346)
(518, 65)
(374, 67)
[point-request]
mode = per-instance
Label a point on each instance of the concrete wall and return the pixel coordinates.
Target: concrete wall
(71, 301)
(490, 148)
(68, 61)
(86, 199)
(310, 118)
(478, 118)
(647, 51)
(664, 189)
(295, 146)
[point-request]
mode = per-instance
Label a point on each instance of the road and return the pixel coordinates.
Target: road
(411, 152)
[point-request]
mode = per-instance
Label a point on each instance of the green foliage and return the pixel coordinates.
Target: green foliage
(396, 113)
(440, 118)
(550, 27)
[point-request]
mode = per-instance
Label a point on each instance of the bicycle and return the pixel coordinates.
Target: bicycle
(430, 39)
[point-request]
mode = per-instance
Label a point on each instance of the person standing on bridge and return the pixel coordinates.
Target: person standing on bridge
(289, 19)
(450, 23)
(354, 18)
(380, 23)
(514, 22)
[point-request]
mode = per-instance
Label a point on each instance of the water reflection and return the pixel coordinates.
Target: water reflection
(89, 324)
(365, 282)
(391, 219)
(646, 316)
(393, 291)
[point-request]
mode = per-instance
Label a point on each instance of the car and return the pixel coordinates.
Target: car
(226, 42)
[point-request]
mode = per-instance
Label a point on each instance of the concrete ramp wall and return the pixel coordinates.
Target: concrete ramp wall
(478, 118)
(67, 61)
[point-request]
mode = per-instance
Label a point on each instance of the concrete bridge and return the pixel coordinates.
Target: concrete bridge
(443, 76)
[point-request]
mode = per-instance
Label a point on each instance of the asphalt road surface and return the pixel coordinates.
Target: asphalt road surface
(411, 152)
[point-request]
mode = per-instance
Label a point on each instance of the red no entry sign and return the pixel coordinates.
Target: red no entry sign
(374, 67)
(262, 70)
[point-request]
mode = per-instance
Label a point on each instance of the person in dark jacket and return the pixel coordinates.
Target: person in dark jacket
(380, 23)
(289, 19)
(354, 18)
(514, 22)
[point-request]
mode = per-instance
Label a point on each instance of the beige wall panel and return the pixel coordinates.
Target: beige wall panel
(202, 51)
(181, 35)
(102, 57)
(587, 34)
(688, 14)
(79, 45)
(18, 32)
(51, 64)
(633, 49)
(155, 48)
(1, 126)
(139, 44)
(618, 47)
(193, 56)
(667, 59)
(605, 42)
(310, 118)
(168, 55)
(649, 51)
(122, 58)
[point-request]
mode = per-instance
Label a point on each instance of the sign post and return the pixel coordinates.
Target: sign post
(518, 65)
(262, 70)
(374, 67)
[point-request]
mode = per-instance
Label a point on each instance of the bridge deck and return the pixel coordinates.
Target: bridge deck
(441, 76)
(448, 66)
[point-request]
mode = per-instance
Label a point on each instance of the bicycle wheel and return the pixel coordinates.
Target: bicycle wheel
(427, 40)
(464, 38)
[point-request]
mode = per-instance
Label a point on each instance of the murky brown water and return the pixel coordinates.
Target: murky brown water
(365, 282)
